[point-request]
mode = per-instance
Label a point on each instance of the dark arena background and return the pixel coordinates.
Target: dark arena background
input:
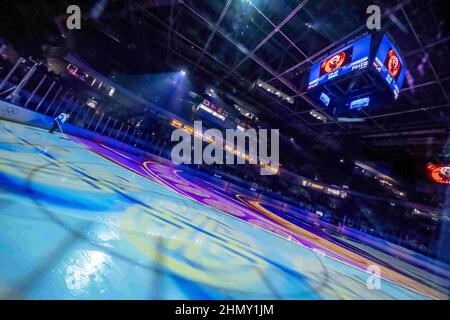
(92, 205)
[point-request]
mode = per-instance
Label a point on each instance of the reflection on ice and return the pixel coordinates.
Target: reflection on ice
(87, 270)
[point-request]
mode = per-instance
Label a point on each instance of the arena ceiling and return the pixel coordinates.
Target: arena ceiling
(229, 44)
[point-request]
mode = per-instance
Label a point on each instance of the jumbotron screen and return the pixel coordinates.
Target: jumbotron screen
(439, 173)
(350, 58)
(390, 65)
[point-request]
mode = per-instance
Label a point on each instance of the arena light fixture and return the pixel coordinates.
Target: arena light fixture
(269, 88)
(319, 116)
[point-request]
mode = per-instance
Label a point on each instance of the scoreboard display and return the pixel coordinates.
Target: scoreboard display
(351, 58)
(390, 65)
(368, 72)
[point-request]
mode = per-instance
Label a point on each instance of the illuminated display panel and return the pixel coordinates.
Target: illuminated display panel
(337, 61)
(211, 111)
(348, 59)
(359, 103)
(439, 174)
(390, 65)
(325, 99)
(216, 108)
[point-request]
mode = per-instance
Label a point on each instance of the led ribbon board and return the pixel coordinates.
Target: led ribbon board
(213, 109)
(390, 65)
(350, 58)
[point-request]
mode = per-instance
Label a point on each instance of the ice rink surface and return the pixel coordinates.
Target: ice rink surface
(80, 220)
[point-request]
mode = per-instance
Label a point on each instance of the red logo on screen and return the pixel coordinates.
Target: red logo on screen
(393, 63)
(440, 174)
(333, 63)
(336, 61)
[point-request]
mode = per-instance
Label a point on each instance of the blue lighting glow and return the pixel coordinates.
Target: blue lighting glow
(325, 99)
(359, 103)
